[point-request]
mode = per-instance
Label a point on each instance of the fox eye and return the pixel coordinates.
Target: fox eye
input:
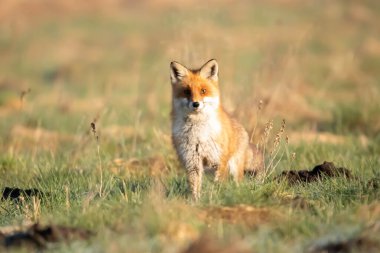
(187, 92)
(203, 91)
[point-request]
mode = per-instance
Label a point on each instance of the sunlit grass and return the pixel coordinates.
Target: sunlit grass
(313, 64)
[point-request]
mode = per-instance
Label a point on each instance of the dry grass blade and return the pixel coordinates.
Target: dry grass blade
(22, 97)
(100, 164)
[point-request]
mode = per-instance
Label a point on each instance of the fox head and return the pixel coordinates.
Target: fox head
(195, 91)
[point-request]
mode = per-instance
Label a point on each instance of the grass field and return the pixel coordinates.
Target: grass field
(65, 64)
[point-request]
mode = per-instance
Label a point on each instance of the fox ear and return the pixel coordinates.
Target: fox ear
(177, 72)
(210, 70)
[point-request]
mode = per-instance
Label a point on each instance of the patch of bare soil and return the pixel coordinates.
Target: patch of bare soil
(240, 214)
(15, 193)
(358, 244)
(327, 169)
(207, 244)
(38, 237)
(371, 212)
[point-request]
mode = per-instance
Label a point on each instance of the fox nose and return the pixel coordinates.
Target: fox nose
(195, 104)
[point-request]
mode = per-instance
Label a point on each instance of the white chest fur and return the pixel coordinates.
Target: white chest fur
(195, 139)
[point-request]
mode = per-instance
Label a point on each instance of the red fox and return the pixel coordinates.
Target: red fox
(205, 137)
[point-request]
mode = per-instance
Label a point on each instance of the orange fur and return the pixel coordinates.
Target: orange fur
(204, 135)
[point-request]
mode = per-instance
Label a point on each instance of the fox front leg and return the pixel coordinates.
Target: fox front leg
(221, 172)
(194, 177)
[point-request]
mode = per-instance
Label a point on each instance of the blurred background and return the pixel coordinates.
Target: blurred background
(67, 63)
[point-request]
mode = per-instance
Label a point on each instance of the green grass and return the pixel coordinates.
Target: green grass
(131, 209)
(312, 64)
